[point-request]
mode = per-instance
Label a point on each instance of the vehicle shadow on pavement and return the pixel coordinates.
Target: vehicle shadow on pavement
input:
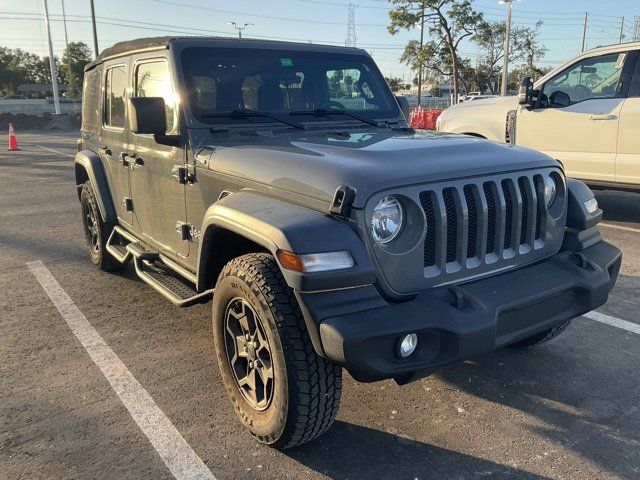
(619, 206)
(350, 451)
(580, 397)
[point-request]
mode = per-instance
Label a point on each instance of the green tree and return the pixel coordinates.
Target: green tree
(395, 84)
(449, 22)
(74, 59)
(523, 47)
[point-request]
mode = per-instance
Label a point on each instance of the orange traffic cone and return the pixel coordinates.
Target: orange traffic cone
(13, 142)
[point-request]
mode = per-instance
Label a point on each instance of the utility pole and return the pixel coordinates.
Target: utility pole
(52, 62)
(421, 46)
(95, 32)
(621, 30)
(64, 22)
(584, 31)
(240, 27)
(507, 34)
(351, 26)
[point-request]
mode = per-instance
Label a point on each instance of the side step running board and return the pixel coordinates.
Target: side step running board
(162, 280)
(116, 245)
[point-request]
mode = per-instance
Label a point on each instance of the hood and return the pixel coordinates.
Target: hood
(315, 163)
(509, 103)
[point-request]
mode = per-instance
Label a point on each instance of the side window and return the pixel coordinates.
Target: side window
(591, 78)
(153, 80)
(91, 100)
(634, 90)
(114, 92)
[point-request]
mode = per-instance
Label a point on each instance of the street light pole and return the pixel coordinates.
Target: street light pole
(240, 27)
(64, 22)
(52, 62)
(95, 32)
(507, 33)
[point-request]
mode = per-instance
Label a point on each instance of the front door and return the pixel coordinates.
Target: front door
(158, 198)
(576, 119)
(628, 158)
(114, 135)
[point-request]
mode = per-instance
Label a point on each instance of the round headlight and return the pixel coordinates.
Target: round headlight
(386, 220)
(550, 190)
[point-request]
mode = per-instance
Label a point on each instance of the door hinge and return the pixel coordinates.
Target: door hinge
(128, 204)
(186, 231)
(183, 175)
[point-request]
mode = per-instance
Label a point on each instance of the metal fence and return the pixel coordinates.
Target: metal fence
(33, 106)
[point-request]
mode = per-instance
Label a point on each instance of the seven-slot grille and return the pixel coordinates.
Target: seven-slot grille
(482, 222)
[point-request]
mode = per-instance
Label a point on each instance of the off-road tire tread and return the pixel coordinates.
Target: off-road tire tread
(106, 262)
(315, 383)
(542, 337)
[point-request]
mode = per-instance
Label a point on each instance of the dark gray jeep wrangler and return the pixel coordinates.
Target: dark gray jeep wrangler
(281, 179)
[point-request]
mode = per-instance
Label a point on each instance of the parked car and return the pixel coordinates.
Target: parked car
(14, 97)
(328, 235)
(585, 113)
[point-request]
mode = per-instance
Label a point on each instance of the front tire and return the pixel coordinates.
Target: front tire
(96, 231)
(283, 392)
(542, 337)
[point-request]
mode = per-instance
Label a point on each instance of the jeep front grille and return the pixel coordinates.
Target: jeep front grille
(482, 222)
(461, 229)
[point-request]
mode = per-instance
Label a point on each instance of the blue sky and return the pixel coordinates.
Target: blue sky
(319, 21)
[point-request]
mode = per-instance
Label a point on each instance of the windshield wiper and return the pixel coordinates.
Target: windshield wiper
(322, 111)
(243, 113)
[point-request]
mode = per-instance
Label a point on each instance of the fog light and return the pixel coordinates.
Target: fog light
(408, 345)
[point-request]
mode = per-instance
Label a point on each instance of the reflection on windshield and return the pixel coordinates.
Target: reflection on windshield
(282, 81)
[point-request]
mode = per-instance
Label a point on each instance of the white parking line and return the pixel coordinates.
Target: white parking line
(613, 321)
(176, 453)
(56, 151)
(620, 227)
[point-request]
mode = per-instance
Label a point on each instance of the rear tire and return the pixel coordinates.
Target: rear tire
(294, 394)
(96, 231)
(542, 337)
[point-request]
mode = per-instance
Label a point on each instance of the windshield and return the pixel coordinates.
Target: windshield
(283, 81)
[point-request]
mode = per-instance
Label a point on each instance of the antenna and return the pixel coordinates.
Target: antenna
(351, 26)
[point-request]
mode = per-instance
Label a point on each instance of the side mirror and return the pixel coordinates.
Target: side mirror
(147, 115)
(559, 99)
(403, 102)
(525, 92)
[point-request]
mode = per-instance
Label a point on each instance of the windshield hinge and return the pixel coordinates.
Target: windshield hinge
(342, 201)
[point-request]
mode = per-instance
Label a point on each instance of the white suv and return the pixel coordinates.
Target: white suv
(585, 114)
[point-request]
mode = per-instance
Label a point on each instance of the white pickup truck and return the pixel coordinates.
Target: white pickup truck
(585, 113)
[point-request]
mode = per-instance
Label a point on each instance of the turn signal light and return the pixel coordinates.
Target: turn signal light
(315, 262)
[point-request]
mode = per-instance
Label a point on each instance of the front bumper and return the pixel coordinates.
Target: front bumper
(361, 331)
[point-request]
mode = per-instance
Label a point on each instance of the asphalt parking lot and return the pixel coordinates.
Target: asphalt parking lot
(568, 409)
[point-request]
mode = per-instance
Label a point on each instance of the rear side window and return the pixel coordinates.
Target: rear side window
(153, 80)
(634, 91)
(91, 101)
(115, 86)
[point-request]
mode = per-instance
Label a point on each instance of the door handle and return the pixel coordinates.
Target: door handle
(105, 151)
(602, 117)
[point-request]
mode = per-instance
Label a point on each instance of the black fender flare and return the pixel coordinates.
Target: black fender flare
(279, 225)
(88, 166)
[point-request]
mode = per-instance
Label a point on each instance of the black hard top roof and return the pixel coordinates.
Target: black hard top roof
(156, 43)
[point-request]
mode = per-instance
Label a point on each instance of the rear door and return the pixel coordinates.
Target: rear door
(578, 121)
(114, 135)
(158, 198)
(628, 157)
